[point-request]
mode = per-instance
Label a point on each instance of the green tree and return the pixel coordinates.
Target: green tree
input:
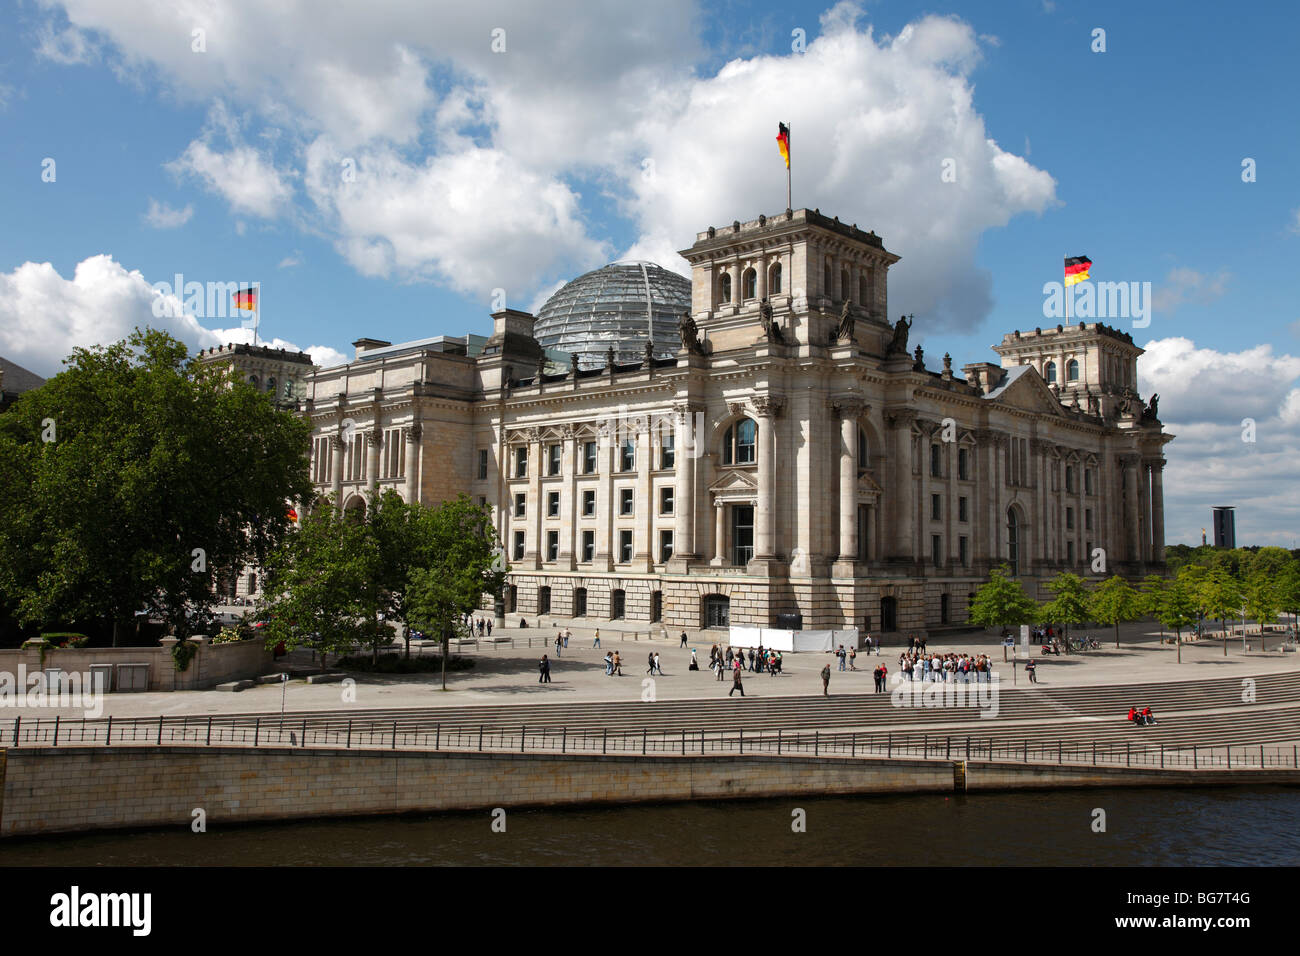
(1070, 604)
(1112, 602)
(1288, 590)
(1002, 602)
(464, 564)
(1151, 596)
(132, 478)
(1262, 597)
(320, 589)
(1219, 596)
(1175, 610)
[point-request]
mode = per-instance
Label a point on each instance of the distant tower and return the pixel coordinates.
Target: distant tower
(1225, 531)
(1202, 537)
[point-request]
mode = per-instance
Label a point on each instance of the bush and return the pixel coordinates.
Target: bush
(232, 633)
(182, 653)
(397, 664)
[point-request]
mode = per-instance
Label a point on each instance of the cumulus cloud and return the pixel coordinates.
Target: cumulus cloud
(1183, 285)
(467, 156)
(290, 261)
(162, 216)
(44, 316)
(1236, 416)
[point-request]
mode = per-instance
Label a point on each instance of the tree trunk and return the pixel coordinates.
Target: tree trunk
(446, 648)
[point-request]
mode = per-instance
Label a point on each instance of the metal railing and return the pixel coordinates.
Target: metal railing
(406, 733)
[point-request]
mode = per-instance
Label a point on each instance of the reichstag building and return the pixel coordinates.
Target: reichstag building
(758, 443)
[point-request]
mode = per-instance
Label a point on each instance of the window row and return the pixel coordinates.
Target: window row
(749, 284)
(589, 463)
(587, 552)
(936, 462)
(626, 503)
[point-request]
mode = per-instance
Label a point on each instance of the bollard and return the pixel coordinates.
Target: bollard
(394, 735)
(304, 731)
(437, 736)
(564, 740)
(209, 730)
(349, 744)
(257, 730)
(108, 737)
(56, 730)
(17, 723)
(683, 743)
(160, 722)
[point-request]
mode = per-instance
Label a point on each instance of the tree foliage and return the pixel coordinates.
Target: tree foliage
(135, 476)
(1113, 602)
(1002, 602)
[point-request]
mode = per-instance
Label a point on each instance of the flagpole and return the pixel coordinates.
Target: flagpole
(257, 310)
(1066, 287)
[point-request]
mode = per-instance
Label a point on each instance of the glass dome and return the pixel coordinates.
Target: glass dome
(618, 305)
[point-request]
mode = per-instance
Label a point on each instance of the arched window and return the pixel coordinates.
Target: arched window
(1072, 370)
(724, 287)
(1049, 373)
(739, 443)
(1013, 541)
(826, 280)
(749, 283)
(846, 287)
(774, 280)
(254, 381)
(270, 384)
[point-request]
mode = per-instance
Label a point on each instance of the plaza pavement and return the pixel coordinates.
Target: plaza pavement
(504, 675)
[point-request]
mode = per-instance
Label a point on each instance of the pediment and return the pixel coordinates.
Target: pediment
(867, 485)
(1027, 391)
(735, 483)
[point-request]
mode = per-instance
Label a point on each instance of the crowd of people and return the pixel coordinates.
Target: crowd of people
(918, 665)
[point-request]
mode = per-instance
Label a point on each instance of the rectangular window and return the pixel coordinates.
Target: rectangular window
(943, 609)
(521, 462)
(742, 534)
(936, 461)
(553, 504)
(1069, 478)
(627, 455)
(589, 458)
(665, 546)
(665, 501)
(1069, 552)
(519, 545)
(963, 464)
(624, 547)
(962, 513)
(588, 546)
(552, 546)
(1087, 481)
(588, 504)
(553, 453)
(626, 501)
(482, 501)
(961, 550)
(520, 505)
(936, 549)
(1069, 519)
(482, 464)
(936, 507)
(1087, 519)
(668, 450)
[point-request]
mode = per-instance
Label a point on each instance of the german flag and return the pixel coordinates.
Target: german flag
(1076, 269)
(246, 300)
(783, 142)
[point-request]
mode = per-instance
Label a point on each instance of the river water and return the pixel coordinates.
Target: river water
(1143, 827)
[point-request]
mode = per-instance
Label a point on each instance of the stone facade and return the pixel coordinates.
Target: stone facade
(793, 457)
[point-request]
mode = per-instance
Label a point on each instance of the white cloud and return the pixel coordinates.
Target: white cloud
(467, 157)
(290, 261)
(162, 216)
(1183, 285)
(1214, 402)
(43, 316)
(69, 46)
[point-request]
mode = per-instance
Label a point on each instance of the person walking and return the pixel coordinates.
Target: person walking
(826, 681)
(736, 685)
(842, 657)
(695, 661)
(489, 627)
(683, 643)
(618, 664)
(559, 642)
(853, 658)
(659, 667)
(1032, 670)
(544, 665)
(567, 633)
(609, 663)
(651, 660)
(596, 642)
(719, 666)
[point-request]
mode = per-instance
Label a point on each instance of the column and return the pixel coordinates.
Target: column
(646, 506)
(761, 286)
(412, 436)
(1158, 511)
(737, 292)
(1130, 464)
(904, 492)
(684, 485)
(1144, 513)
(766, 407)
(336, 470)
(719, 534)
(374, 442)
(608, 451)
(533, 544)
(569, 505)
(848, 412)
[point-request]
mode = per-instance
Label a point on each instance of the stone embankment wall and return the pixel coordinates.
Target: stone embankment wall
(81, 788)
(213, 663)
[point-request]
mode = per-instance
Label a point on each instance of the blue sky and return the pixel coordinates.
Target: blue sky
(521, 168)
